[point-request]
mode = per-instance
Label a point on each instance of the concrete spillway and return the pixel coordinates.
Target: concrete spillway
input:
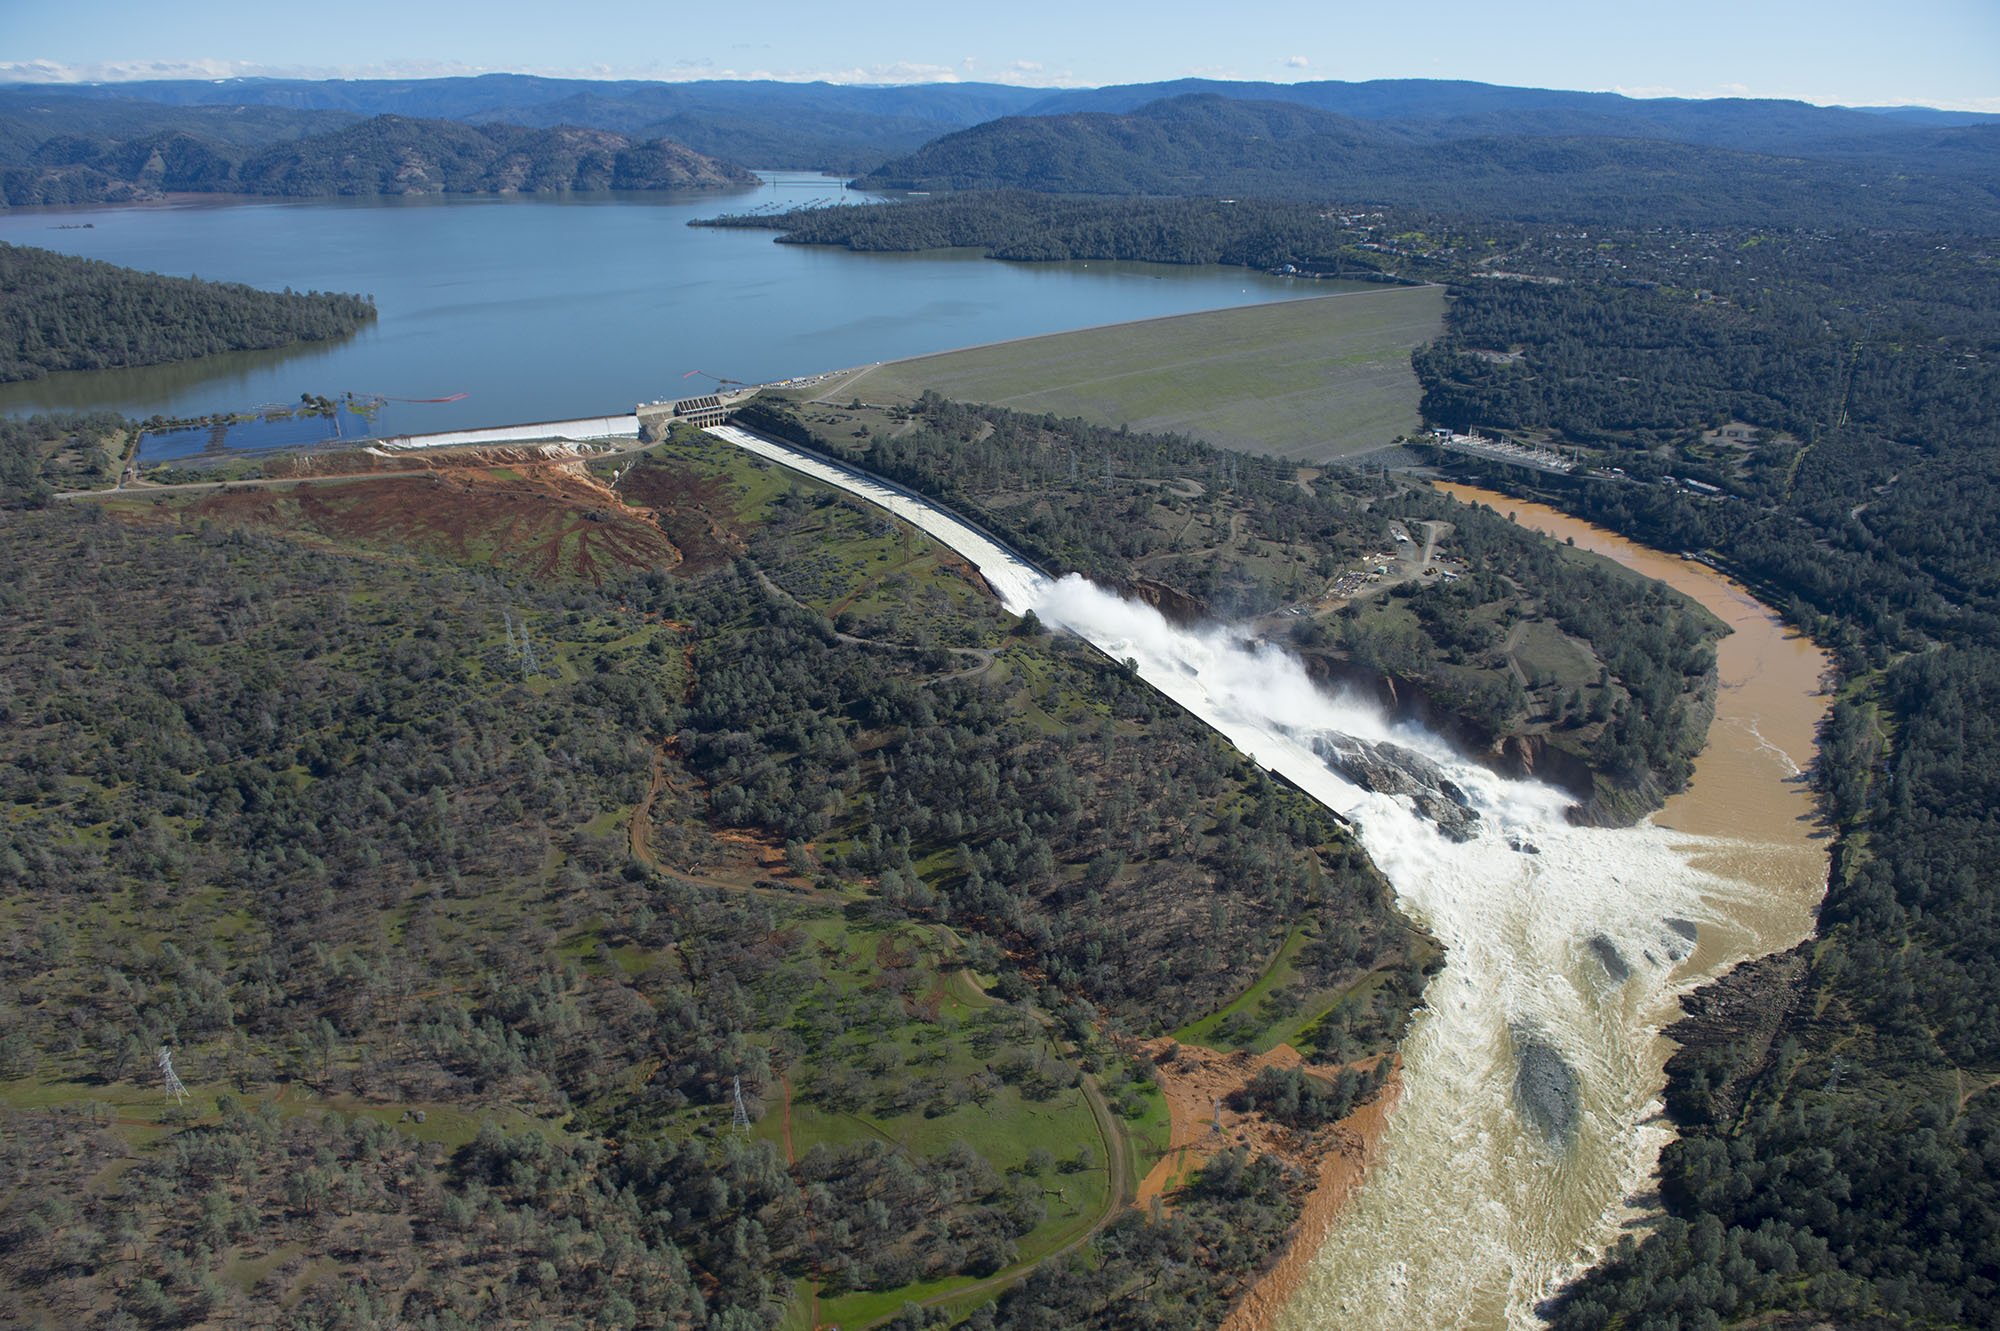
(1016, 582)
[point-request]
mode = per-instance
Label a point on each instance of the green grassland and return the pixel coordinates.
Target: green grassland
(1308, 380)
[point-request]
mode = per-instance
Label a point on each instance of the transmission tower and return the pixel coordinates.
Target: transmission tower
(521, 648)
(172, 1079)
(742, 1119)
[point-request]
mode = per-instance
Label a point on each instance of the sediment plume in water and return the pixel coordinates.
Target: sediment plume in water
(1529, 1117)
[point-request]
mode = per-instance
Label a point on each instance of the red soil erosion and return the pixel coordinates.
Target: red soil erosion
(696, 513)
(1335, 1158)
(535, 510)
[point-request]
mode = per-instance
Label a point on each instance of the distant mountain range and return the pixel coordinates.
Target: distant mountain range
(123, 151)
(1452, 145)
(844, 128)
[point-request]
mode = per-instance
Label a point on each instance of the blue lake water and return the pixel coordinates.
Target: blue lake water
(541, 309)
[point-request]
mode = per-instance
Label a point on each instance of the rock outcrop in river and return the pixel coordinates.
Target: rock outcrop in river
(1545, 1087)
(1390, 769)
(1614, 961)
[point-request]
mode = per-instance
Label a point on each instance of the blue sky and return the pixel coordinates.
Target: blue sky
(1928, 52)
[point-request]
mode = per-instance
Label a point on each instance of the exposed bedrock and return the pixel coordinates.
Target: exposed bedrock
(1545, 1088)
(1614, 961)
(1390, 769)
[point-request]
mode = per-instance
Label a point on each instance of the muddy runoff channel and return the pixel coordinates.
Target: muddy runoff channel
(1528, 1128)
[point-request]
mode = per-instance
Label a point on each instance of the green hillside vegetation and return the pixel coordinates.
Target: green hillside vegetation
(41, 455)
(391, 155)
(1412, 143)
(1203, 145)
(844, 127)
(383, 156)
(1310, 380)
(28, 115)
(1016, 224)
(1207, 533)
(61, 313)
(466, 902)
(1858, 369)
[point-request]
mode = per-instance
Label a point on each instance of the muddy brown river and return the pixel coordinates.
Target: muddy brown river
(1472, 1215)
(1748, 794)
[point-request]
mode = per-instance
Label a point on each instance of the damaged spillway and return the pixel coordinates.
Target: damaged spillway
(1529, 1117)
(1390, 769)
(1529, 1113)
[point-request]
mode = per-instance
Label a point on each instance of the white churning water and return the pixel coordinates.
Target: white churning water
(1471, 1214)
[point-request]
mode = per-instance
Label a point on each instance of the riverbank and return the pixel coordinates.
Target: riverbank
(1198, 1083)
(1749, 794)
(1341, 1171)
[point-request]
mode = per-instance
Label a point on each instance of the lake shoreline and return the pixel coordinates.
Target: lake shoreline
(541, 307)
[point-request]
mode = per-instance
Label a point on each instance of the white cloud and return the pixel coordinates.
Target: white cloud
(1296, 62)
(1024, 73)
(118, 71)
(126, 71)
(900, 71)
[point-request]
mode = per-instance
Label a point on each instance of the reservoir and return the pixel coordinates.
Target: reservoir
(540, 309)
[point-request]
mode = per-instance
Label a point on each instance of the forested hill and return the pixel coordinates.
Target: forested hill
(1207, 145)
(482, 846)
(1621, 732)
(135, 157)
(1018, 224)
(64, 313)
